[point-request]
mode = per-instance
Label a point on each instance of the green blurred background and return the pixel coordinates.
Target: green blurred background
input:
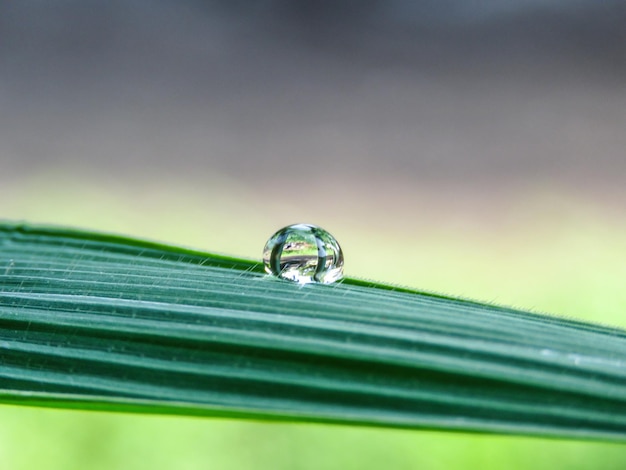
(476, 151)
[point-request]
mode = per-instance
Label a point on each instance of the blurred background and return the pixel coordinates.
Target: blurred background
(472, 148)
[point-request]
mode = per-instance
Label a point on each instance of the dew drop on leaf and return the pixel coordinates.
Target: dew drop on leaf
(305, 254)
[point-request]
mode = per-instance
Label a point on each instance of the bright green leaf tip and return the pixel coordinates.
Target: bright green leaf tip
(103, 322)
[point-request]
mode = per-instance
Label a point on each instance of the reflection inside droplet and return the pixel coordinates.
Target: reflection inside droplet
(304, 253)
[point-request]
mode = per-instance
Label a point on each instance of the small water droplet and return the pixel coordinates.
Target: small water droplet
(304, 253)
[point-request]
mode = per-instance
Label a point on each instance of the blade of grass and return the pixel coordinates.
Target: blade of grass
(103, 322)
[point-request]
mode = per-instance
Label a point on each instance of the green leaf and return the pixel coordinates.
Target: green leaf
(102, 322)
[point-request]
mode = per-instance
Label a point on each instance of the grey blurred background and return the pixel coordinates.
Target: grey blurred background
(496, 91)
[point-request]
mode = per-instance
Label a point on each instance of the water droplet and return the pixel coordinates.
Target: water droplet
(304, 253)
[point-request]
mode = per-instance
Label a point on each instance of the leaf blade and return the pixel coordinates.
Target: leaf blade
(97, 319)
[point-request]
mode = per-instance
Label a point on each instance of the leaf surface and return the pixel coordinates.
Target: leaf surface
(96, 321)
